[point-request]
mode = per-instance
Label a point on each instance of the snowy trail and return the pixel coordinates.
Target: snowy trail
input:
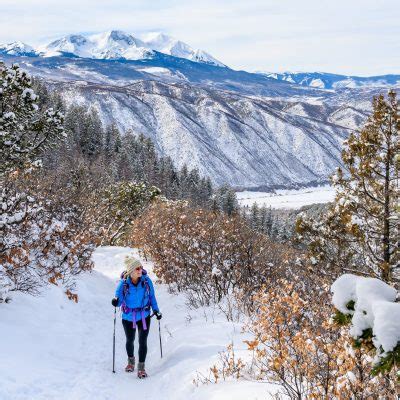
(52, 348)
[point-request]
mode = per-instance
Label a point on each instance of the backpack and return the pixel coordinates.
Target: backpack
(141, 309)
(145, 284)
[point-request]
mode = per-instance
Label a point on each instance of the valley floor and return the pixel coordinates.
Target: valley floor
(288, 199)
(53, 348)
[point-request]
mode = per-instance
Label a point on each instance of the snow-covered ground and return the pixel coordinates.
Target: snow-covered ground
(288, 199)
(53, 348)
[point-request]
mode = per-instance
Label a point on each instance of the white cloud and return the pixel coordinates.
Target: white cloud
(356, 37)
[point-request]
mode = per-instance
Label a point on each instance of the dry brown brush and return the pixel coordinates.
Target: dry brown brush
(209, 255)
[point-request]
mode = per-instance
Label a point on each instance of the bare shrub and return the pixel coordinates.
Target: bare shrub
(209, 255)
(40, 244)
(296, 346)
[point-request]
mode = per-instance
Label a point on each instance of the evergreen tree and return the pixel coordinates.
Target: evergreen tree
(74, 122)
(112, 142)
(225, 200)
(262, 219)
(205, 192)
(361, 229)
(25, 131)
(275, 229)
(91, 139)
(255, 216)
(184, 182)
(268, 222)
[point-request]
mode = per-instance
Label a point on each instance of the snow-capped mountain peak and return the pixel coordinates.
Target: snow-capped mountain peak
(115, 38)
(112, 45)
(169, 45)
(73, 44)
(107, 45)
(17, 49)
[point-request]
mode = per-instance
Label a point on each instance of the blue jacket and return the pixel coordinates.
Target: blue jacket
(137, 296)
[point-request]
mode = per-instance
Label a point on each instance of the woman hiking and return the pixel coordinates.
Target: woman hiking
(135, 295)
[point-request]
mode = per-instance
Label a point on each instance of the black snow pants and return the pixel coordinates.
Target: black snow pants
(130, 332)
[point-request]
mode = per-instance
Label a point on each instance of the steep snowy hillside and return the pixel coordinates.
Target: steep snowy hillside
(53, 348)
(324, 80)
(247, 142)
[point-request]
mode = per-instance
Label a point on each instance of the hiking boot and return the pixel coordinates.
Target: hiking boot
(131, 364)
(141, 373)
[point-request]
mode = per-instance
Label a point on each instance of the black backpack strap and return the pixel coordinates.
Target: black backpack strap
(125, 288)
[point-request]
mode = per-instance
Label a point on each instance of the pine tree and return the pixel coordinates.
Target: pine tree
(268, 222)
(91, 139)
(25, 131)
(184, 182)
(112, 142)
(205, 192)
(255, 216)
(275, 228)
(225, 200)
(263, 219)
(361, 229)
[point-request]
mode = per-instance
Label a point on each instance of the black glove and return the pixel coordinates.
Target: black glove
(114, 301)
(158, 314)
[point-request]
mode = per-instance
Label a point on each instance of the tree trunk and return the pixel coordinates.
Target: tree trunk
(385, 274)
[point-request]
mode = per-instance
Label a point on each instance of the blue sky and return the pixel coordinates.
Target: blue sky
(359, 37)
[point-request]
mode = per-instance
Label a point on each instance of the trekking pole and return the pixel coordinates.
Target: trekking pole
(115, 317)
(159, 333)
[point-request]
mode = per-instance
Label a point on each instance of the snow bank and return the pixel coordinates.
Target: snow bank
(374, 308)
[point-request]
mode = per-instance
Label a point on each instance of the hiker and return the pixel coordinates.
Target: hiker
(135, 295)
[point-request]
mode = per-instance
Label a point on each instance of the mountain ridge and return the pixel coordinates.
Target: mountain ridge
(119, 45)
(326, 80)
(114, 44)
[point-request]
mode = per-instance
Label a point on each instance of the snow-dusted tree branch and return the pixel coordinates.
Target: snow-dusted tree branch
(25, 131)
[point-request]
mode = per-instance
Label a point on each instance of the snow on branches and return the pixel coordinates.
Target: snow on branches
(368, 304)
(40, 244)
(112, 210)
(24, 130)
(6, 285)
